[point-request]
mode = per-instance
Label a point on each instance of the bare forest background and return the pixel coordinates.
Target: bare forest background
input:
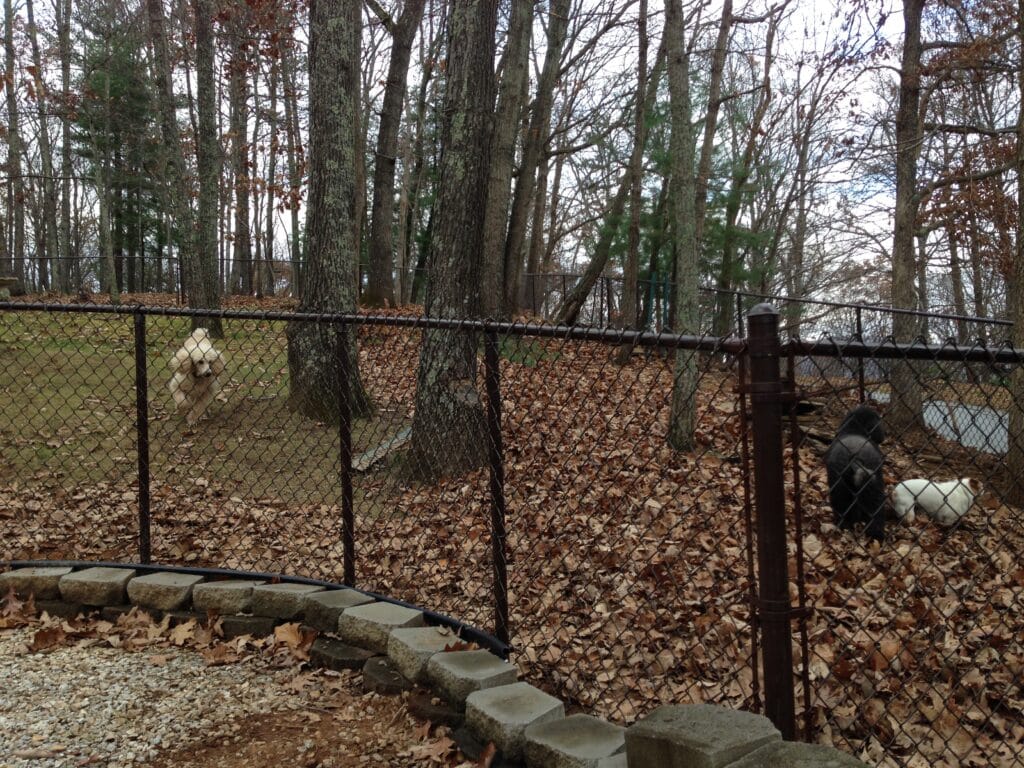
(456, 154)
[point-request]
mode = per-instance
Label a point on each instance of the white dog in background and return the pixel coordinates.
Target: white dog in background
(944, 502)
(197, 367)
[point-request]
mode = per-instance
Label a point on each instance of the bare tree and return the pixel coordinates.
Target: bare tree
(380, 288)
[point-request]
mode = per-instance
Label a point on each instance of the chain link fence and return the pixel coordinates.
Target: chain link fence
(624, 572)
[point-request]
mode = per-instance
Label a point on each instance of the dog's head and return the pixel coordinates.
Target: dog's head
(864, 421)
(972, 485)
(198, 357)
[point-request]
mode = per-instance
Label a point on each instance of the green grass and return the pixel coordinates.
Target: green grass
(68, 409)
(528, 352)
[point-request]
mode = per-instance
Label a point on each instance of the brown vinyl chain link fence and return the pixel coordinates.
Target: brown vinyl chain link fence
(622, 572)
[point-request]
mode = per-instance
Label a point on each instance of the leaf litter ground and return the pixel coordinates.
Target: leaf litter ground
(629, 583)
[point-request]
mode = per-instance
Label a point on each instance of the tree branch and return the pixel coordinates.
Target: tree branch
(380, 13)
(965, 178)
(970, 129)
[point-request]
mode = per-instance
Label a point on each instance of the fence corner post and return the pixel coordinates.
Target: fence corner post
(142, 435)
(344, 405)
(496, 460)
(766, 397)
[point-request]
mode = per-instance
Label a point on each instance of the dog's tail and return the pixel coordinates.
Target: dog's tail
(859, 474)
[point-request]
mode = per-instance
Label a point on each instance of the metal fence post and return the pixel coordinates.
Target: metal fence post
(142, 435)
(348, 536)
(860, 359)
(766, 397)
(496, 460)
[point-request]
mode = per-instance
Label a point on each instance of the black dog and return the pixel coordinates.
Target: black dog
(854, 465)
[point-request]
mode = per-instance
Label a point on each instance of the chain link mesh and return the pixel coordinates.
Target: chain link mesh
(630, 576)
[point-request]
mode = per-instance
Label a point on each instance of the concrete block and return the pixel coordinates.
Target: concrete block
(502, 715)
(96, 586)
(579, 741)
(60, 608)
(697, 736)
(615, 761)
(281, 601)
(379, 676)
(369, 626)
(410, 648)
(41, 582)
(164, 591)
(224, 597)
(334, 654)
(456, 674)
(322, 609)
(789, 754)
(257, 626)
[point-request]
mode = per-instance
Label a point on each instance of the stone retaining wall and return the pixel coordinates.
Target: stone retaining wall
(474, 691)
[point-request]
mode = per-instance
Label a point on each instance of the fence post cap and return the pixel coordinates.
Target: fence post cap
(762, 309)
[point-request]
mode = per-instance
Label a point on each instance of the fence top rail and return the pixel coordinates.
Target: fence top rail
(889, 349)
(663, 339)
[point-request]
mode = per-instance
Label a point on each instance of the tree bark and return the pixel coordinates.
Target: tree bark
(507, 118)
(329, 277)
(449, 430)
(905, 408)
(682, 193)
(380, 288)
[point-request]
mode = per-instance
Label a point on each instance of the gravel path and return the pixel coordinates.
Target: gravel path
(96, 705)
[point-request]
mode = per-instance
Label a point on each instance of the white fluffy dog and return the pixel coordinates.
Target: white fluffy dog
(197, 367)
(944, 502)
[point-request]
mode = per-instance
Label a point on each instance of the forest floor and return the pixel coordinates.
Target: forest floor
(139, 692)
(628, 562)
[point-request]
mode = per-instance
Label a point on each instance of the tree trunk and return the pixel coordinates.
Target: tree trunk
(329, 277)
(208, 160)
(631, 268)
(449, 430)
(268, 245)
(507, 119)
(238, 96)
(1014, 490)
(905, 408)
(380, 288)
(536, 139)
(293, 147)
(536, 246)
(568, 313)
(202, 291)
(49, 212)
(64, 268)
(956, 278)
(711, 119)
(682, 193)
(16, 190)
